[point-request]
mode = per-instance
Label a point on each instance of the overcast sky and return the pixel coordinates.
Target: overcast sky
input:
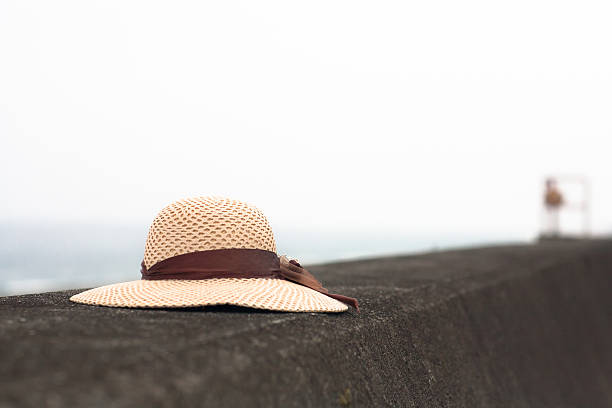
(429, 117)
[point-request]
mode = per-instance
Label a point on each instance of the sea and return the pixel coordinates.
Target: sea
(49, 257)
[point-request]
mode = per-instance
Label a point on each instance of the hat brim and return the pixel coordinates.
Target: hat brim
(268, 294)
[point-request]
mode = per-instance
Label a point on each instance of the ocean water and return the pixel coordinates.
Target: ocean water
(41, 258)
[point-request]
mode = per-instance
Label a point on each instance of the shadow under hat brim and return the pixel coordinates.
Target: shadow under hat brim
(268, 294)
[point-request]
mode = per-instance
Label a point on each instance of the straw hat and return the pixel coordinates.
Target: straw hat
(219, 227)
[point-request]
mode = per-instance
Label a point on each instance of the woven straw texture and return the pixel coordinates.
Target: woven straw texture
(202, 224)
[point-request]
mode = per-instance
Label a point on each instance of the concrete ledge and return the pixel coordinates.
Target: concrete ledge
(503, 326)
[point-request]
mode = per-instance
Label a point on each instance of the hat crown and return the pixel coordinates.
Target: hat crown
(205, 224)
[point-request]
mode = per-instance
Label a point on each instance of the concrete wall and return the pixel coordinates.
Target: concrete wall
(507, 326)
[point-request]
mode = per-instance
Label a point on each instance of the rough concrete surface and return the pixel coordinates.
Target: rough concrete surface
(512, 326)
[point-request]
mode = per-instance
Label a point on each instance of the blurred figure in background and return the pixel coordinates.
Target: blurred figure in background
(553, 200)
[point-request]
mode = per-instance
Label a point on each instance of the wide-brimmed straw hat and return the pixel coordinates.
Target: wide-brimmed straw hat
(216, 251)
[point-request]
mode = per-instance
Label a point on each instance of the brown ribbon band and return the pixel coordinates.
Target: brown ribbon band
(237, 263)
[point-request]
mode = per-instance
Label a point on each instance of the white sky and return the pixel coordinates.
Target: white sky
(429, 117)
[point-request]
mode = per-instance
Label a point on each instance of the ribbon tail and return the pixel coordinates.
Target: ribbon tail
(345, 299)
(305, 279)
(293, 271)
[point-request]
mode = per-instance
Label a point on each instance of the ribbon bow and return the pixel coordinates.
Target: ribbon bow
(292, 270)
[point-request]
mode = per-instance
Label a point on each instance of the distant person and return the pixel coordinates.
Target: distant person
(553, 200)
